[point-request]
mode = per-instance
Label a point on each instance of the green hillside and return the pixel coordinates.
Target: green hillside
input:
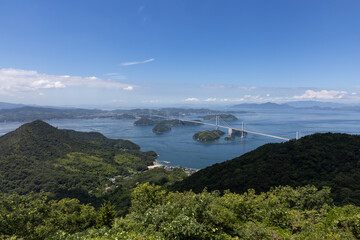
(321, 159)
(66, 163)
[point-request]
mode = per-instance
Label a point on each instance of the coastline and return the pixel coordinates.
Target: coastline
(156, 164)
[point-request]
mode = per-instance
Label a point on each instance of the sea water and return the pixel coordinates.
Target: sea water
(179, 148)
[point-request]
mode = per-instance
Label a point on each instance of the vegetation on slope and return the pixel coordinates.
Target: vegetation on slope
(65, 163)
(32, 216)
(321, 159)
(281, 213)
(120, 195)
(99, 139)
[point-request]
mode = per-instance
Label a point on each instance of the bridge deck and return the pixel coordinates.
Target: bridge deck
(220, 126)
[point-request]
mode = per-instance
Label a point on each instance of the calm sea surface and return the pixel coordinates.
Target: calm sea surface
(178, 147)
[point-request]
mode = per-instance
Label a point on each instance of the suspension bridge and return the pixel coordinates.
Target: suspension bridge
(229, 128)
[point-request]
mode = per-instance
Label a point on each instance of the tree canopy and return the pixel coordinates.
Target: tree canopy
(321, 160)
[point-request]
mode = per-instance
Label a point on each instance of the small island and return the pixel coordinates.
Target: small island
(238, 133)
(224, 117)
(164, 125)
(144, 122)
(124, 116)
(179, 123)
(208, 136)
(161, 128)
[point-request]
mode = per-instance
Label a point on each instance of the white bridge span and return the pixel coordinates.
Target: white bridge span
(230, 129)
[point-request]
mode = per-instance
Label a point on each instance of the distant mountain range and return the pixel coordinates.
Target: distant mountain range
(267, 105)
(31, 113)
(298, 105)
(4, 105)
(24, 113)
(311, 104)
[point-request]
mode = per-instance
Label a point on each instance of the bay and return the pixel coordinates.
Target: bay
(179, 148)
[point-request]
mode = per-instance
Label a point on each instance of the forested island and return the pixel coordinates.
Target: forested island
(162, 126)
(224, 117)
(208, 136)
(144, 122)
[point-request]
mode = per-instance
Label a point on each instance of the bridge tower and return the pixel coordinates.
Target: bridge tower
(217, 118)
(230, 131)
(242, 129)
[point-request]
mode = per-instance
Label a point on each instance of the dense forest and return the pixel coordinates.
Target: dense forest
(331, 160)
(281, 213)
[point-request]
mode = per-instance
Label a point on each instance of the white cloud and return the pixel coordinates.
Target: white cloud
(118, 101)
(115, 76)
(47, 84)
(18, 80)
(136, 62)
(192, 99)
(210, 100)
(323, 94)
(247, 88)
(150, 101)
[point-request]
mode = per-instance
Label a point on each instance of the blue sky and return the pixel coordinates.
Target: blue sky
(163, 53)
